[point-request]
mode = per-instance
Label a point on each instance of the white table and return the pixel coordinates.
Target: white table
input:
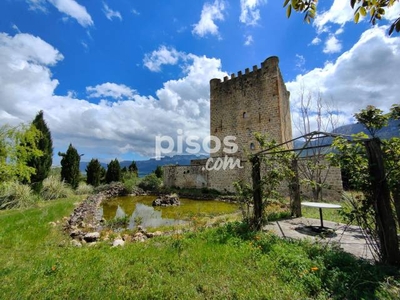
(321, 205)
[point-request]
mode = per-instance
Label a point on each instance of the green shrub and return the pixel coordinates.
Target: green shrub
(150, 182)
(54, 188)
(84, 189)
(16, 195)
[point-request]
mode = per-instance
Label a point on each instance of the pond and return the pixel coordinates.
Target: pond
(140, 210)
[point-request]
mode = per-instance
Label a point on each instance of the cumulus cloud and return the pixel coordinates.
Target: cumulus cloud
(364, 75)
(162, 56)
(110, 14)
(113, 90)
(210, 13)
(108, 128)
(332, 45)
(250, 14)
(69, 7)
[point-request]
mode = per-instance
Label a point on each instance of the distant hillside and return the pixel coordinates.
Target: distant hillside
(392, 130)
(147, 166)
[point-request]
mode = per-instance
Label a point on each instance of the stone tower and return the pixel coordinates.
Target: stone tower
(256, 101)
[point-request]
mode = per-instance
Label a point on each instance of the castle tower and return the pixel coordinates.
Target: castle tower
(256, 101)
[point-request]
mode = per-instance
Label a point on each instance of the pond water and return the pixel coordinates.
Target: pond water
(140, 210)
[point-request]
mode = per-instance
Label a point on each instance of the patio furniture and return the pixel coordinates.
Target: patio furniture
(321, 205)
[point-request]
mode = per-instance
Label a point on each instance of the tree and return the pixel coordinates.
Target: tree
(375, 8)
(70, 166)
(374, 169)
(42, 164)
(93, 172)
(17, 147)
(159, 172)
(113, 171)
(133, 168)
(316, 114)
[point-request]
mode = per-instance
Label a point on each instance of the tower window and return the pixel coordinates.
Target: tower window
(244, 115)
(252, 147)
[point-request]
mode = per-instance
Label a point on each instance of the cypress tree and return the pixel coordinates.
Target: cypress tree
(70, 166)
(41, 164)
(133, 168)
(159, 172)
(113, 171)
(93, 172)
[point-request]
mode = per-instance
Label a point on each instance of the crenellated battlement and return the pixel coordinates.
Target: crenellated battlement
(268, 65)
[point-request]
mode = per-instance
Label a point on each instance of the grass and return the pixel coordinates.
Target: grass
(228, 262)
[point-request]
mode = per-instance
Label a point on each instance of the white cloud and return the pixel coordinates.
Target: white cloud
(250, 14)
(364, 75)
(210, 13)
(332, 45)
(163, 56)
(300, 62)
(249, 40)
(108, 89)
(339, 13)
(69, 7)
(110, 14)
(135, 12)
(109, 128)
(316, 41)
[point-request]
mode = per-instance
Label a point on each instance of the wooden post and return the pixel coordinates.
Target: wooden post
(257, 193)
(294, 189)
(387, 230)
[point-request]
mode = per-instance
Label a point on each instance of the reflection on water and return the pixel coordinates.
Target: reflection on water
(139, 210)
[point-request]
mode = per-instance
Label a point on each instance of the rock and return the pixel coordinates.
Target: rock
(75, 233)
(53, 224)
(118, 242)
(75, 243)
(91, 237)
(139, 237)
(154, 234)
(167, 200)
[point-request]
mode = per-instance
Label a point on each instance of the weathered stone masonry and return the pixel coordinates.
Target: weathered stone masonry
(245, 103)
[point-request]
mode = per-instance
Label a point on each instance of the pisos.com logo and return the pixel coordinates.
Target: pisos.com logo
(192, 144)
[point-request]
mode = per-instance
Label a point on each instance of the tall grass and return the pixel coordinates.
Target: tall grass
(54, 188)
(14, 194)
(84, 189)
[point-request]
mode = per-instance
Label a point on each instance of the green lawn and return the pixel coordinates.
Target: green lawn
(229, 262)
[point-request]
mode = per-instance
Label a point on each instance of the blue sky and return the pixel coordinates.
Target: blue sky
(111, 75)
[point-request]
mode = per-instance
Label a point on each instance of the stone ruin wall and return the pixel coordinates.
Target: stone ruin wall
(194, 176)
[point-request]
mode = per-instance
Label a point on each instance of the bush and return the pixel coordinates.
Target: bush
(16, 195)
(130, 181)
(150, 182)
(54, 188)
(84, 189)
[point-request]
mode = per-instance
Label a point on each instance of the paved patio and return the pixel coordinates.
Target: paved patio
(350, 238)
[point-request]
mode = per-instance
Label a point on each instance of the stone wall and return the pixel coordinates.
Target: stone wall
(256, 101)
(196, 176)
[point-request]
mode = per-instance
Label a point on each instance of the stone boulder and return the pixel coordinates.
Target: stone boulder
(167, 200)
(91, 237)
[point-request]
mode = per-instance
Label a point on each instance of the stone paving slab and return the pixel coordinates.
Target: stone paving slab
(349, 237)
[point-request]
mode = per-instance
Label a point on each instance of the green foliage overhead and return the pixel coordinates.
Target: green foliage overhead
(374, 8)
(94, 172)
(41, 164)
(113, 173)
(70, 166)
(18, 145)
